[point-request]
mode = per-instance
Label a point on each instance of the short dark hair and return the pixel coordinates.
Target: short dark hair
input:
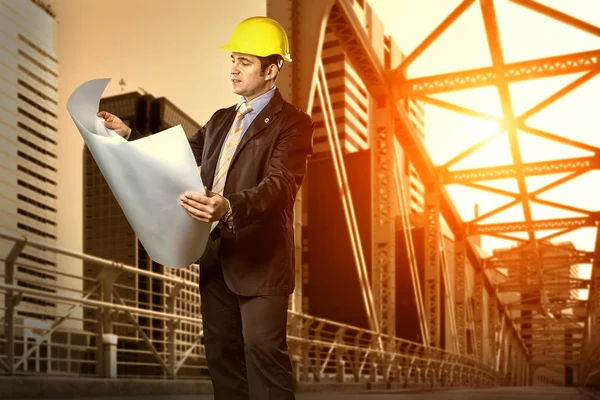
(265, 62)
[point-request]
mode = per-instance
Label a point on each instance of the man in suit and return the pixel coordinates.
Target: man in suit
(253, 158)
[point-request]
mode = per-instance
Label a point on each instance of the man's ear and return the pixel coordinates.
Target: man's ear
(271, 72)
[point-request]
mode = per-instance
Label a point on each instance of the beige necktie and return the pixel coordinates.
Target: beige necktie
(231, 142)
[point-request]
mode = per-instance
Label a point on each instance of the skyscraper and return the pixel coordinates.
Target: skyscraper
(28, 142)
(350, 101)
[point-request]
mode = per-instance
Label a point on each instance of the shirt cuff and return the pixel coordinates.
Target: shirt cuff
(226, 222)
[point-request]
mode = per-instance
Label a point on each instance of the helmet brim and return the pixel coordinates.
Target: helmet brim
(236, 49)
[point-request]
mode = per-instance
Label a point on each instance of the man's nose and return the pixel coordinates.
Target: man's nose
(234, 69)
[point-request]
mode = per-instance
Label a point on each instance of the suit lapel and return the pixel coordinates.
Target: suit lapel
(215, 143)
(214, 146)
(265, 118)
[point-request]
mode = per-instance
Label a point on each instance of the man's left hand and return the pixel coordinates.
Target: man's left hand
(204, 207)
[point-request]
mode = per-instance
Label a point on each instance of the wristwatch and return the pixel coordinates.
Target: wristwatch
(227, 219)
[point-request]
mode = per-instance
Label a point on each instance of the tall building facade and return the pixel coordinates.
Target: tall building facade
(28, 146)
(350, 101)
(107, 234)
(559, 270)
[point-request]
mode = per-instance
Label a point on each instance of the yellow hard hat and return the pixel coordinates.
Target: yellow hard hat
(259, 36)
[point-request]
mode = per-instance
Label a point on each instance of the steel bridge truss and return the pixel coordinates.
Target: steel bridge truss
(538, 272)
(512, 338)
(505, 346)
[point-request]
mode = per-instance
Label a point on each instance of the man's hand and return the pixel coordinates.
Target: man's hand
(113, 122)
(207, 207)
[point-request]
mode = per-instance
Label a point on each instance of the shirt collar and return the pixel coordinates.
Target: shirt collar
(258, 103)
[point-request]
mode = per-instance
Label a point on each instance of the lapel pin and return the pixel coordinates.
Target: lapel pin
(267, 120)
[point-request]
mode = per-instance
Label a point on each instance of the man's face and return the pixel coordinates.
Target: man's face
(246, 77)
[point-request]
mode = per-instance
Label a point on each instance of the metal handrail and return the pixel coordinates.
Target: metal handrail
(321, 350)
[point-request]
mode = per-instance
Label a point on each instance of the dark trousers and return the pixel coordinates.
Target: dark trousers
(245, 341)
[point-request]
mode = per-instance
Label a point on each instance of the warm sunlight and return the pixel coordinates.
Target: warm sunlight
(448, 133)
(411, 205)
(563, 128)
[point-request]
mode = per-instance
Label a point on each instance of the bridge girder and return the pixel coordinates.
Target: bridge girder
(579, 165)
(540, 280)
(539, 276)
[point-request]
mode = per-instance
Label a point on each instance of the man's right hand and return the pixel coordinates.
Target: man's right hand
(113, 122)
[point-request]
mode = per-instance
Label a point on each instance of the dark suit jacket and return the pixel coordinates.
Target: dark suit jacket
(267, 169)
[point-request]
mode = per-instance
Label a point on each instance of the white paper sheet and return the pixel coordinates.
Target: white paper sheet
(147, 177)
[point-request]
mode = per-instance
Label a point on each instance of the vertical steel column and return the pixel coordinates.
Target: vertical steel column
(500, 344)
(595, 306)
(519, 369)
(296, 300)
(591, 340)
(526, 369)
(586, 340)
(525, 362)
(513, 359)
(450, 320)
(493, 327)
(530, 374)
(432, 266)
(383, 257)
(460, 260)
(508, 360)
(506, 353)
(11, 301)
(478, 311)
(283, 12)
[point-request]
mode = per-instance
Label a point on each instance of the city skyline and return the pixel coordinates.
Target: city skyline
(523, 305)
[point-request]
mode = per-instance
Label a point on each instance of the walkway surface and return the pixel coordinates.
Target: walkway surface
(526, 393)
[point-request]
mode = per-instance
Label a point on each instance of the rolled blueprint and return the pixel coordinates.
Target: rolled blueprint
(147, 177)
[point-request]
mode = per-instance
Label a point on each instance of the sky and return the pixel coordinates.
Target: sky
(170, 48)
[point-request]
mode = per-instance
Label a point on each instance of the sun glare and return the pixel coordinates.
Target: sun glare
(492, 153)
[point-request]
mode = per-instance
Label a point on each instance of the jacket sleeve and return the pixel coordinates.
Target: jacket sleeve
(134, 135)
(285, 174)
(197, 144)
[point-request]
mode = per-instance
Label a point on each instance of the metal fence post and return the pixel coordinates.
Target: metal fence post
(11, 301)
(339, 356)
(173, 324)
(109, 353)
(104, 320)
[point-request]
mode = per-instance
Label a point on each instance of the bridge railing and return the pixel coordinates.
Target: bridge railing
(119, 321)
(590, 367)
